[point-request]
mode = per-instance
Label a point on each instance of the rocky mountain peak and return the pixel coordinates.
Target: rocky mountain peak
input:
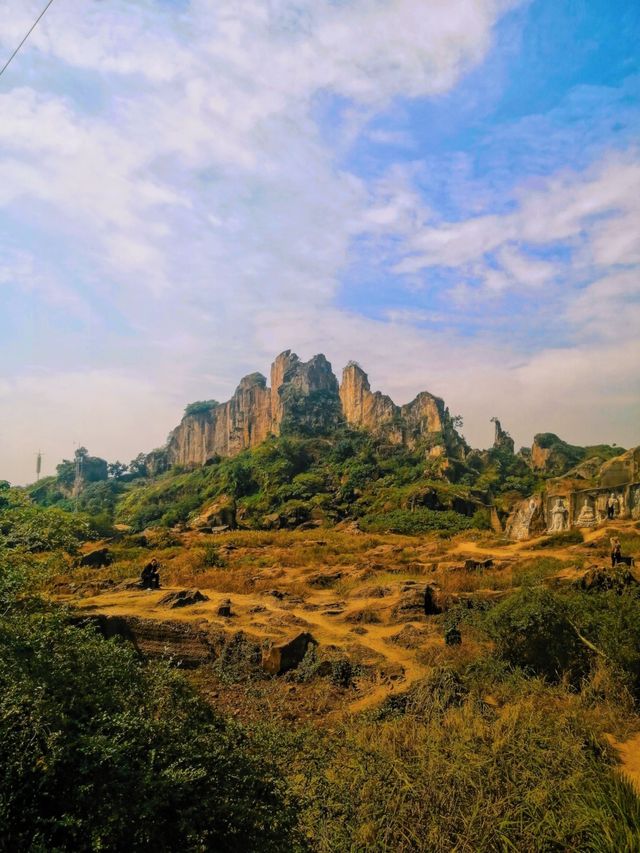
(305, 398)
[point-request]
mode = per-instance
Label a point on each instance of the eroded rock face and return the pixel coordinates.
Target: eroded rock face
(227, 428)
(285, 656)
(363, 408)
(186, 645)
(305, 399)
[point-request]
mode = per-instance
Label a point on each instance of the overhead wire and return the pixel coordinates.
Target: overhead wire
(15, 52)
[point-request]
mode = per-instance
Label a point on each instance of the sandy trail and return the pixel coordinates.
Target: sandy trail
(328, 630)
(629, 755)
(265, 616)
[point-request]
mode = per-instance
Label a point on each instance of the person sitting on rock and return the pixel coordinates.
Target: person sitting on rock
(150, 576)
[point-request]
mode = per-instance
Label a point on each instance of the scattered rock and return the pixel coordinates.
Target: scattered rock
(285, 656)
(184, 644)
(364, 617)
(474, 565)
(129, 583)
(224, 608)
(182, 598)
(97, 559)
(375, 592)
(409, 637)
(323, 580)
(411, 605)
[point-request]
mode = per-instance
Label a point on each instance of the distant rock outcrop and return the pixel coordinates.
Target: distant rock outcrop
(588, 494)
(305, 399)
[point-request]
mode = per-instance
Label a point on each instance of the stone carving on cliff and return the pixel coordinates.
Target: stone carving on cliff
(586, 516)
(526, 520)
(559, 516)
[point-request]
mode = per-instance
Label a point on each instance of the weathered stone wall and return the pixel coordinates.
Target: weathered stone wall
(565, 508)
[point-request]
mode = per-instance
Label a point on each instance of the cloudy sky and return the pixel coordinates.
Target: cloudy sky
(447, 191)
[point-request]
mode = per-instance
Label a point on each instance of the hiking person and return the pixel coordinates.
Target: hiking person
(150, 575)
(612, 505)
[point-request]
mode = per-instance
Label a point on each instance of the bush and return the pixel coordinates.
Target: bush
(99, 752)
(420, 520)
(454, 775)
(212, 558)
(200, 407)
(611, 621)
(33, 528)
(531, 629)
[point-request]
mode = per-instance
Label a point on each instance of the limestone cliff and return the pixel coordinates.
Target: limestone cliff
(362, 408)
(225, 429)
(305, 399)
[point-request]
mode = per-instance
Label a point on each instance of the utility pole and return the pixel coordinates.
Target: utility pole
(38, 466)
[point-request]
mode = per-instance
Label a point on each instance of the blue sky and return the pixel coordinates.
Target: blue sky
(447, 192)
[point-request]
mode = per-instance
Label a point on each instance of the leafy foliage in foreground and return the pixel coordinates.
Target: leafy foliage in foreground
(100, 752)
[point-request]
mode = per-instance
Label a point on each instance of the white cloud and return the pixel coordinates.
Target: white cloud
(596, 212)
(199, 201)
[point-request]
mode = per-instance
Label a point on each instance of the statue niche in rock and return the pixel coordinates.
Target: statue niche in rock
(559, 517)
(587, 515)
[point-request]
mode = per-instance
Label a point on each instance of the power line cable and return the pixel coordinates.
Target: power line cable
(35, 24)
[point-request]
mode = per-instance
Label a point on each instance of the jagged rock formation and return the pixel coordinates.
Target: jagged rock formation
(305, 398)
(502, 440)
(554, 457)
(363, 408)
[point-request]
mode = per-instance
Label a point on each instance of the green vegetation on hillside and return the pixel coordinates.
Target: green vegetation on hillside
(290, 480)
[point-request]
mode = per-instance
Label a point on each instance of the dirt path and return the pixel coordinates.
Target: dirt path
(629, 754)
(328, 630)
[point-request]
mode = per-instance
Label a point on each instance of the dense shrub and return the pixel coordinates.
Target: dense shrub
(33, 528)
(440, 771)
(99, 752)
(420, 520)
(532, 629)
(611, 621)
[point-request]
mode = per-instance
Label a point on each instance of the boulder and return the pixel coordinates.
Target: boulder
(474, 565)
(434, 600)
(324, 580)
(218, 516)
(182, 598)
(285, 656)
(96, 559)
(224, 608)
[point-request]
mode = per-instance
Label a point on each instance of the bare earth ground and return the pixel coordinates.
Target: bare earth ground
(344, 588)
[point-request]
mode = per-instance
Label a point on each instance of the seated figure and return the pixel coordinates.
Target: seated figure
(150, 575)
